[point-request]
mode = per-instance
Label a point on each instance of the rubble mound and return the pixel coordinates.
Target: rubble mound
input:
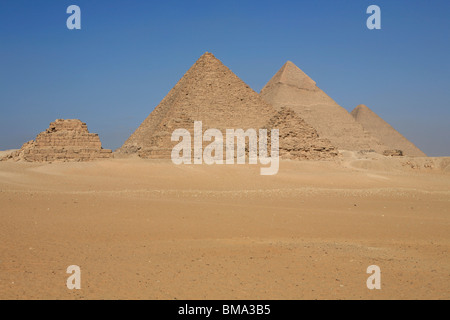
(299, 140)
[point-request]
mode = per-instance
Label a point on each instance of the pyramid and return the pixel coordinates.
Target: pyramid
(291, 87)
(384, 132)
(298, 140)
(208, 92)
(64, 140)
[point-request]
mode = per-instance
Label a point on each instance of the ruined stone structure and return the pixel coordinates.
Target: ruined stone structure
(291, 87)
(299, 139)
(385, 133)
(64, 140)
(212, 93)
(393, 153)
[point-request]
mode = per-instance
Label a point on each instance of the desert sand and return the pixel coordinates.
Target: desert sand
(148, 229)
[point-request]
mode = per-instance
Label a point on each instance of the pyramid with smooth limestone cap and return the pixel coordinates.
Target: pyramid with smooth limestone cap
(291, 87)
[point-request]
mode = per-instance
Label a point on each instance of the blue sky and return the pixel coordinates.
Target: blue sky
(129, 54)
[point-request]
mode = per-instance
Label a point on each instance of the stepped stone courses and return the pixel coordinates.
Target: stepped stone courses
(299, 139)
(291, 87)
(64, 140)
(208, 92)
(212, 93)
(385, 133)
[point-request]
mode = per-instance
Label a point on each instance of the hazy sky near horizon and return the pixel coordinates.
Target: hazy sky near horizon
(129, 54)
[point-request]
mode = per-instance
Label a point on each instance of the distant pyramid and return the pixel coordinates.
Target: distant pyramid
(291, 87)
(384, 132)
(208, 92)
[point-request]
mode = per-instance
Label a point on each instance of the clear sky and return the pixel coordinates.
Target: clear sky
(130, 53)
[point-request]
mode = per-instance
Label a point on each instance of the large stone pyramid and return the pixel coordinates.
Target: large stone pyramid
(291, 87)
(384, 132)
(64, 140)
(208, 92)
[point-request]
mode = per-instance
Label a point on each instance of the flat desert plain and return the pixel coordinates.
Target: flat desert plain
(148, 229)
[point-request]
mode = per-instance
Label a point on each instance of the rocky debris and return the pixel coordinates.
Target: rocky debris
(384, 132)
(427, 163)
(393, 153)
(64, 140)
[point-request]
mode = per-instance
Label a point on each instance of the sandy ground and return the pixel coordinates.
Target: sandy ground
(147, 229)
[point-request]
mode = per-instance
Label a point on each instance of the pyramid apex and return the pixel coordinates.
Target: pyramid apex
(208, 57)
(208, 54)
(361, 108)
(209, 92)
(290, 63)
(292, 75)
